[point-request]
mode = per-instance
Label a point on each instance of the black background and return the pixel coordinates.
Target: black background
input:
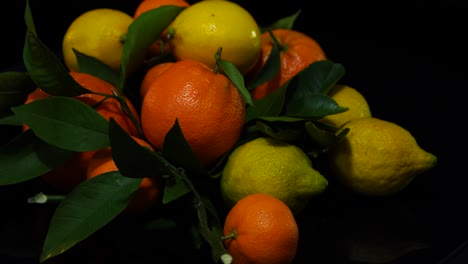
(409, 61)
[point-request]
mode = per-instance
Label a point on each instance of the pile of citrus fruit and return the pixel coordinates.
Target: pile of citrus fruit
(195, 100)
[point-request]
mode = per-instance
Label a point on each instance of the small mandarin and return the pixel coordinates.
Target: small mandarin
(261, 229)
(208, 106)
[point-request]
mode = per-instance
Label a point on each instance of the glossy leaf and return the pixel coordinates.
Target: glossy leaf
(174, 188)
(142, 33)
(313, 106)
(89, 207)
(14, 89)
(324, 138)
(65, 123)
(270, 105)
(269, 69)
(177, 150)
(286, 22)
(26, 157)
(28, 18)
(319, 77)
(10, 120)
(281, 131)
(307, 95)
(132, 159)
(210, 227)
(95, 67)
(44, 68)
(236, 77)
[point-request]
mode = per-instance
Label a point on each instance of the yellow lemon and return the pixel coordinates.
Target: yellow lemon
(98, 33)
(347, 96)
(201, 29)
(267, 165)
(378, 157)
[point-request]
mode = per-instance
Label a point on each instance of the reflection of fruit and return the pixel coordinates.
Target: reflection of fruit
(146, 197)
(152, 74)
(97, 33)
(378, 157)
(69, 174)
(347, 96)
(261, 229)
(267, 165)
(146, 5)
(209, 108)
(297, 51)
(202, 28)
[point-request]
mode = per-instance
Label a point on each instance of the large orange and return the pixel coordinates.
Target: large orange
(147, 5)
(261, 229)
(68, 175)
(297, 51)
(151, 74)
(150, 191)
(208, 106)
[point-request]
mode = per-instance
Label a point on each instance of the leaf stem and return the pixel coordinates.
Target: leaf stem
(123, 103)
(217, 58)
(199, 205)
(275, 40)
(42, 198)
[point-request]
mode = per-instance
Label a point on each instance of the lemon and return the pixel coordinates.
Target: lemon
(378, 157)
(201, 29)
(98, 33)
(347, 96)
(267, 165)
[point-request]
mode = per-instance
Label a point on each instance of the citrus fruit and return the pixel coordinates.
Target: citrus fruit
(201, 29)
(148, 194)
(151, 74)
(261, 229)
(156, 49)
(208, 106)
(347, 96)
(297, 51)
(98, 33)
(72, 172)
(268, 165)
(378, 157)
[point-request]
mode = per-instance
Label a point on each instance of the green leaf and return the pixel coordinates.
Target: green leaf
(136, 161)
(324, 136)
(26, 157)
(65, 123)
(132, 159)
(269, 69)
(286, 22)
(288, 131)
(44, 68)
(177, 150)
(89, 207)
(14, 89)
(307, 95)
(270, 105)
(174, 188)
(313, 106)
(142, 33)
(236, 78)
(28, 18)
(10, 120)
(319, 77)
(210, 227)
(93, 66)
